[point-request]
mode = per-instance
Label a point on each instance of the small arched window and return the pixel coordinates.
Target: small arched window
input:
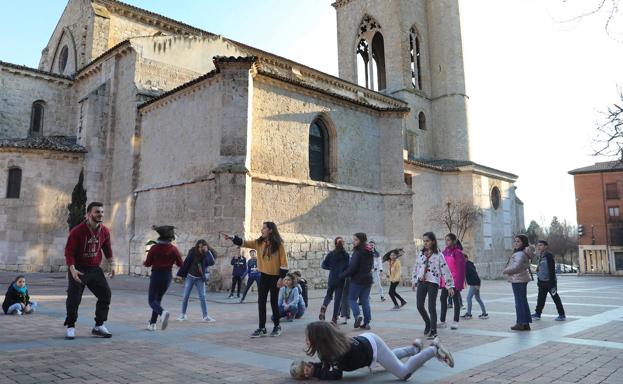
(496, 197)
(378, 61)
(36, 118)
(416, 55)
(421, 119)
(318, 151)
(14, 183)
(62, 59)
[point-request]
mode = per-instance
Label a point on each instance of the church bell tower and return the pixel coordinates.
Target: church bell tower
(411, 50)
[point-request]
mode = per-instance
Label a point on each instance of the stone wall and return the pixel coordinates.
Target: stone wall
(19, 89)
(33, 228)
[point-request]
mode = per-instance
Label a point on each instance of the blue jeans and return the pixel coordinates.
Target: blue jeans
(361, 292)
(18, 307)
(474, 291)
(300, 310)
(520, 290)
(338, 290)
(201, 289)
(159, 282)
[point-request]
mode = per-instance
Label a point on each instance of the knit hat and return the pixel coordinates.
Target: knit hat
(166, 232)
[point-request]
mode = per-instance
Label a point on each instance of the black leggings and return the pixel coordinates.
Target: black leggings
(456, 300)
(268, 283)
(393, 295)
(426, 288)
(236, 280)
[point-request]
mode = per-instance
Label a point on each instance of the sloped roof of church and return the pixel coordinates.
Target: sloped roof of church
(49, 143)
(33, 70)
(605, 166)
(449, 165)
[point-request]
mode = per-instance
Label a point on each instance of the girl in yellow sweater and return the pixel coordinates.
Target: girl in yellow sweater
(395, 272)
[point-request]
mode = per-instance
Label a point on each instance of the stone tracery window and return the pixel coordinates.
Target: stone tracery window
(62, 59)
(416, 55)
(319, 151)
(370, 54)
(14, 183)
(36, 118)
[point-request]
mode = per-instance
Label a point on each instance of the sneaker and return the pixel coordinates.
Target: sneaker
(358, 321)
(466, 316)
(182, 317)
(442, 325)
(484, 316)
(321, 316)
(71, 333)
(520, 327)
(289, 318)
(442, 353)
(260, 332)
(18, 312)
(151, 327)
(403, 304)
(276, 331)
(455, 325)
(536, 316)
(230, 296)
(462, 306)
(343, 320)
(101, 331)
(561, 318)
(417, 344)
(241, 301)
(396, 307)
(237, 296)
(164, 319)
(431, 335)
(426, 330)
(450, 306)
(382, 298)
(366, 327)
(208, 319)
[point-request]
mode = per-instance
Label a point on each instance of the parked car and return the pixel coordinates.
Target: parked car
(565, 268)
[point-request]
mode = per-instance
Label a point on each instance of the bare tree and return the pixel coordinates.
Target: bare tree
(458, 216)
(608, 8)
(609, 139)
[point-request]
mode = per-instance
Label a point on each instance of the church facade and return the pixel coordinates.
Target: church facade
(175, 125)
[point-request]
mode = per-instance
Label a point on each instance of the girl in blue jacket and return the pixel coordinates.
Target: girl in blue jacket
(335, 262)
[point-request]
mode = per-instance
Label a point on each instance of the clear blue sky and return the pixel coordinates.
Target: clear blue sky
(536, 86)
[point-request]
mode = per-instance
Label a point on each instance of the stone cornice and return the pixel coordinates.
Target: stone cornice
(33, 72)
(468, 166)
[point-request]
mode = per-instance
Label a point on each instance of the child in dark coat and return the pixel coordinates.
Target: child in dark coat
(16, 300)
(238, 273)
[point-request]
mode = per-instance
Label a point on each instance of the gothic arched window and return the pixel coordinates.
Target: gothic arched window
(14, 183)
(378, 61)
(421, 119)
(36, 118)
(62, 59)
(416, 55)
(318, 151)
(371, 55)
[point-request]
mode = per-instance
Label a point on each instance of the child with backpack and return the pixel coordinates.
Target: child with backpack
(473, 281)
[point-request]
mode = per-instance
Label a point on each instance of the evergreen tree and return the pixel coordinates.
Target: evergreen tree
(78, 206)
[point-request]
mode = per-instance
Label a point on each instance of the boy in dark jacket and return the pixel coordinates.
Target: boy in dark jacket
(472, 279)
(238, 273)
(253, 273)
(17, 301)
(546, 281)
(335, 262)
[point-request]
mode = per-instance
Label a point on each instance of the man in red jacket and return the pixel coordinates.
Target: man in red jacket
(83, 255)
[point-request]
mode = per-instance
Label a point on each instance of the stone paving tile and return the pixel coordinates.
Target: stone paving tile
(612, 331)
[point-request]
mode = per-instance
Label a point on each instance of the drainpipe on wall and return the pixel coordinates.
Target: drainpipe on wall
(606, 221)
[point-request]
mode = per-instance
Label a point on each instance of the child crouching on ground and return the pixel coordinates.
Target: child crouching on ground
(338, 352)
(17, 301)
(288, 300)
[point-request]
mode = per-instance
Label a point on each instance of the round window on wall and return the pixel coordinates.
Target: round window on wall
(62, 59)
(496, 197)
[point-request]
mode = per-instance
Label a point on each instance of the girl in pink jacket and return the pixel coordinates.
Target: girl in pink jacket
(456, 263)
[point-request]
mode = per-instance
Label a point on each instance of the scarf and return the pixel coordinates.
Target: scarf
(21, 290)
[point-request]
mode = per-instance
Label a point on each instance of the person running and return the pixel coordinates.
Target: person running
(273, 266)
(473, 281)
(360, 272)
(430, 267)
(395, 272)
(336, 262)
(195, 271)
(378, 269)
(518, 275)
(338, 353)
(83, 254)
(238, 273)
(456, 264)
(17, 300)
(301, 285)
(546, 282)
(252, 272)
(160, 258)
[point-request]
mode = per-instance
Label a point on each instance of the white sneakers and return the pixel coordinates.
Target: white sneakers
(343, 320)
(442, 325)
(182, 317)
(209, 319)
(71, 333)
(442, 353)
(151, 327)
(164, 319)
(455, 325)
(101, 331)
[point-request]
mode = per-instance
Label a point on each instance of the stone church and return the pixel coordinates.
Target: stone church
(175, 125)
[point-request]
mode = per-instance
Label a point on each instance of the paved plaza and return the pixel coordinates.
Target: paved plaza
(587, 348)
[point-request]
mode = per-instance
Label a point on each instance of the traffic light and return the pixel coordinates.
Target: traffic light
(580, 230)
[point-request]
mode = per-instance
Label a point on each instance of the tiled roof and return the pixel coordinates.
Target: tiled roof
(448, 165)
(34, 70)
(48, 143)
(606, 166)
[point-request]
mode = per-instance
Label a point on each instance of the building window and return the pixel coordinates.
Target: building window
(408, 179)
(62, 59)
(613, 211)
(410, 144)
(496, 197)
(616, 236)
(36, 118)
(371, 56)
(416, 57)
(618, 261)
(15, 183)
(612, 191)
(421, 119)
(318, 151)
